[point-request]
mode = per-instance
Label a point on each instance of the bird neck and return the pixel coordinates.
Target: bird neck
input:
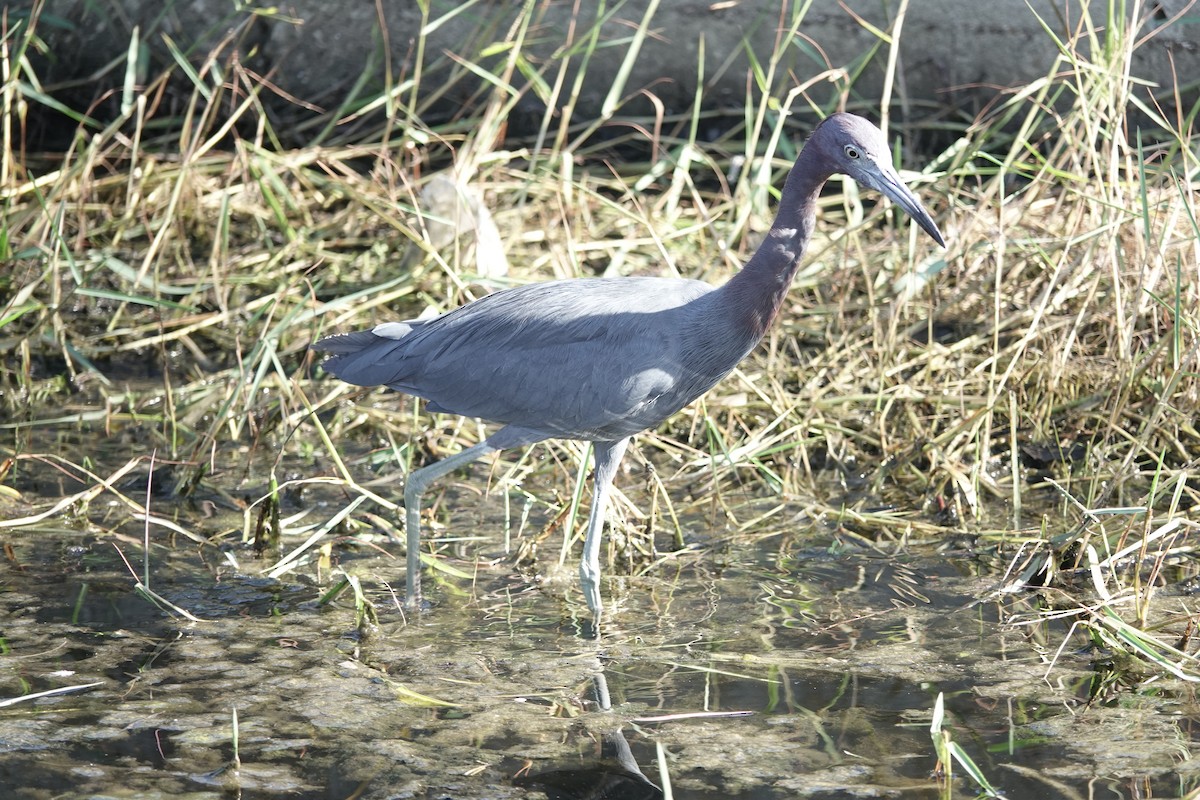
(755, 294)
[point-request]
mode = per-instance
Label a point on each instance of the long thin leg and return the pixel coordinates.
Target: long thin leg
(418, 481)
(608, 456)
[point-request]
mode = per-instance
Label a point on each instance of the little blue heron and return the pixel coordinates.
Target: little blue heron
(600, 359)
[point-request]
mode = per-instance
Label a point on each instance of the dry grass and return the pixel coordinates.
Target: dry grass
(1042, 369)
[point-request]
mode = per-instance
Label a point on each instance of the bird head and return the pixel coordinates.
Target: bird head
(852, 146)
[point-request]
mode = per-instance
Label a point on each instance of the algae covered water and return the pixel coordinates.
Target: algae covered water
(780, 664)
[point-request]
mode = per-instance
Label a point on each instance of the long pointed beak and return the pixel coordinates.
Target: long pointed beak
(889, 183)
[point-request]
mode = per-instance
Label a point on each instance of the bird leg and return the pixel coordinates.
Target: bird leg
(607, 456)
(418, 481)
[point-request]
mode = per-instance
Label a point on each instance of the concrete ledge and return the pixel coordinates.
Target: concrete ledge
(953, 54)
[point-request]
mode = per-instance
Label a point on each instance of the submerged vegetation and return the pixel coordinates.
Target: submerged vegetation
(1031, 393)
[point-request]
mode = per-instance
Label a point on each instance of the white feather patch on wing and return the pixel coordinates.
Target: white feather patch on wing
(392, 330)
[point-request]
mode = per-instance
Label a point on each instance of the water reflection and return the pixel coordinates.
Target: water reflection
(786, 674)
(615, 775)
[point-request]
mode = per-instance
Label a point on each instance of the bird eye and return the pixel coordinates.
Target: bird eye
(851, 151)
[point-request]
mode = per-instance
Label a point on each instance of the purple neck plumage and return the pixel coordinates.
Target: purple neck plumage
(755, 294)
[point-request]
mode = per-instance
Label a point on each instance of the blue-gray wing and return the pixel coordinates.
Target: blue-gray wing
(589, 359)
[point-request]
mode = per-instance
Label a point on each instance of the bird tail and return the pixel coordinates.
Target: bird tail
(368, 358)
(342, 344)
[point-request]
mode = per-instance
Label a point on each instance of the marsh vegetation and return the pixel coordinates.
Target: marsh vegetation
(1001, 433)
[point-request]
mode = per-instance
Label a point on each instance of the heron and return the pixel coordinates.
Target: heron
(602, 359)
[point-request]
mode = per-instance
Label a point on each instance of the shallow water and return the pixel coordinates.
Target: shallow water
(764, 666)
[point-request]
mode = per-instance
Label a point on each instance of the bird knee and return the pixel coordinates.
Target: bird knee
(413, 489)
